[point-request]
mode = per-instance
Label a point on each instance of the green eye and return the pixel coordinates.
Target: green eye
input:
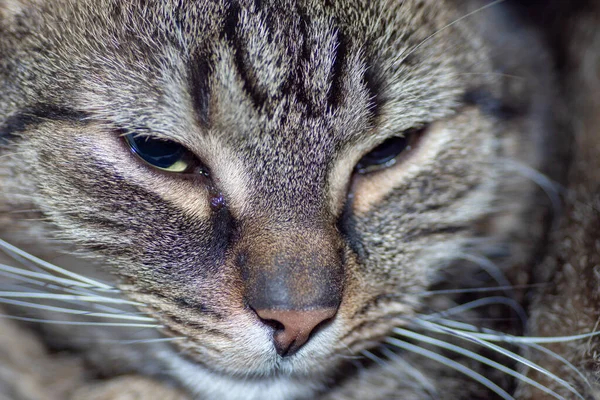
(161, 154)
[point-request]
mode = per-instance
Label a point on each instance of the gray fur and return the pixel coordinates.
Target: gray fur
(279, 99)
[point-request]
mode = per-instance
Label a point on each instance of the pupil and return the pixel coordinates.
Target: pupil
(160, 153)
(384, 153)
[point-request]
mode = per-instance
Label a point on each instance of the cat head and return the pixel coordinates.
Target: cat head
(281, 183)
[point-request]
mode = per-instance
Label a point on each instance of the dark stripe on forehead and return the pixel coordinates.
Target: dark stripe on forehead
(199, 88)
(374, 85)
(29, 117)
(337, 75)
(232, 20)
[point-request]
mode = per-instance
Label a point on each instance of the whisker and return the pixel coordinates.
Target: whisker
(79, 323)
(474, 356)
(80, 297)
(372, 357)
(480, 290)
(31, 210)
(25, 262)
(8, 155)
(476, 338)
(425, 383)
(91, 299)
(75, 312)
(498, 74)
(10, 248)
(96, 306)
(129, 342)
(19, 195)
(456, 366)
(460, 325)
(492, 270)
(539, 339)
(506, 338)
(21, 278)
(48, 286)
(561, 359)
(472, 328)
(428, 38)
(52, 278)
(551, 188)
(513, 304)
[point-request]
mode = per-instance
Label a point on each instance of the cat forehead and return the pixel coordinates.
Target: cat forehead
(256, 69)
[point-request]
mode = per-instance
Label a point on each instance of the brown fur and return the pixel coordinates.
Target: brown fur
(61, 377)
(570, 303)
(279, 101)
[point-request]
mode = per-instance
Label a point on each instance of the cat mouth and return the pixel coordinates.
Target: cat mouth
(335, 363)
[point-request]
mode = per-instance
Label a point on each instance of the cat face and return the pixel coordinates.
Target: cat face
(278, 184)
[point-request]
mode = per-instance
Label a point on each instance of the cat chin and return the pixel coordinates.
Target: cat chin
(265, 367)
(208, 384)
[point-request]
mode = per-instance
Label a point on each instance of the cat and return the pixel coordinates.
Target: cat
(276, 199)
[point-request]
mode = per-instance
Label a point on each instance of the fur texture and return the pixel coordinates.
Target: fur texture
(279, 100)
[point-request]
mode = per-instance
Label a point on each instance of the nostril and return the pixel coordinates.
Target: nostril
(294, 328)
(276, 325)
(320, 326)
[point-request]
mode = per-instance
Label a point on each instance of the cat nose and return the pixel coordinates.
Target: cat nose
(293, 328)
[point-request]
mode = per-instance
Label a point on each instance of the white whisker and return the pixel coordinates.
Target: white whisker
(412, 371)
(75, 312)
(51, 278)
(538, 339)
(8, 155)
(474, 356)
(561, 359)
(506, 338)
(480, 290)
(22, 261)
(456, 366)
(498, 74)
(551, 188)
(492, 270)
(428, 38)
(45, 286)
(372, 357)
(25, 211)
(513, 304)
(79, 323)
(475, 329)
(24, 290)
(476, 338)
(91, 299)
(140, 341)
(24, 279)
(458, 325)
(44, 264)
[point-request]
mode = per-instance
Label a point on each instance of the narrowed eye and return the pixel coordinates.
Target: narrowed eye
(386, 154)
(162, 154)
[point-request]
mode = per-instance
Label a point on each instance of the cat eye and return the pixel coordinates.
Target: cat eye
(162, 154)
(386, 154)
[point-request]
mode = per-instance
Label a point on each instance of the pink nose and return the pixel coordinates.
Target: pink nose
(293, 327)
